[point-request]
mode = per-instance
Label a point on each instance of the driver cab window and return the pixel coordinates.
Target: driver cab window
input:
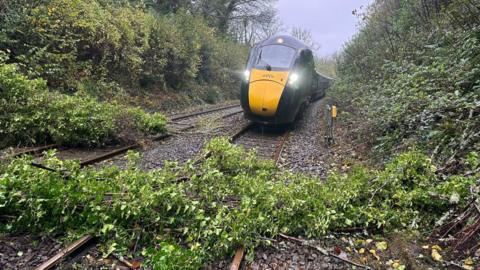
(277, 56)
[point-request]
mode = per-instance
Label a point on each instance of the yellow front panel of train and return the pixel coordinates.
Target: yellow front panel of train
(265, 90)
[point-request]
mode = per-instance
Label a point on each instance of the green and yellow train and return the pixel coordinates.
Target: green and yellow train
(280, 80)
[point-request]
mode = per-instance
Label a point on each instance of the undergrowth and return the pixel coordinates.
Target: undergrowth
(416, 79)
(31, 114)
(188, 215)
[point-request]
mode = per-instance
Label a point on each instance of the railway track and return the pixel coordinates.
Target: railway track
(191, 119)
(181, 123)
(82, 245)
(269, 143)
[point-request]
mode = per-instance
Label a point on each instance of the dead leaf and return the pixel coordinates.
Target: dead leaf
(136, 265)
(374, 254)
(363, 260)
(361, 251)
(436, 256)
(381, 246)
(359, 242)
(468, 264)
(468, 261)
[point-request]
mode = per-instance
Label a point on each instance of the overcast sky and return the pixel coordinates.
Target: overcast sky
(331, 21)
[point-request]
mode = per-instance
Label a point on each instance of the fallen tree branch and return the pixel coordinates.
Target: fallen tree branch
(322, 250)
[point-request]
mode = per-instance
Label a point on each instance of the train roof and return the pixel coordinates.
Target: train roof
(325, 76)
(284, 40)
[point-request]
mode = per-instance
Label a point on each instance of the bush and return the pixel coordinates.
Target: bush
(416, 78)
(65, 42)
(31, 114)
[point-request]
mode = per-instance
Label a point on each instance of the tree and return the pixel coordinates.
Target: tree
(327, 65)
(306, 36)
(231, 17)
(256, 28)
(169, 6)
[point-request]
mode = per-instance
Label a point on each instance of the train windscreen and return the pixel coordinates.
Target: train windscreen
(277, 56)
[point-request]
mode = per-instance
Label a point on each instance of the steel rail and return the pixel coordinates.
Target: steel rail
(185, 116)
(232, 114)
(57, 258)
(117, 152)
(280, 146)
(34, 151)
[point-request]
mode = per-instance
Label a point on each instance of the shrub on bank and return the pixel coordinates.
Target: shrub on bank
(232, 198)
(70, 41)
(417, 78)
(32, 114)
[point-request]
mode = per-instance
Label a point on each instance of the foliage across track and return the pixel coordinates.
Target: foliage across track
(193, 213)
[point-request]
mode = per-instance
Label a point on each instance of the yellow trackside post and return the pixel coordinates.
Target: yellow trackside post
(331, 117)
(334, 111)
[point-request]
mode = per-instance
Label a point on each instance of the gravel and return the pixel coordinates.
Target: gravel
(304, 151)
(187, 144)
(26, 252)
(284, 255)
(178, 148)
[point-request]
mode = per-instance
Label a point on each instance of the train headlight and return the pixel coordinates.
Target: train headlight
(293, 79)
(246, 75)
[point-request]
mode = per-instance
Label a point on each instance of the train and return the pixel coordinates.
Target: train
(280, 80)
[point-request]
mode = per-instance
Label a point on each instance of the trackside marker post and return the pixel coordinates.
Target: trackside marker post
(334, 112)
(331, 116)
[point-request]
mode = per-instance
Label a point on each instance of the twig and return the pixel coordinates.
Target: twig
(376, 190)
(40, 166)
(136, 244)
(322, 250)
(454, 264)
(469, 173)
(131, 265)
(477, 207)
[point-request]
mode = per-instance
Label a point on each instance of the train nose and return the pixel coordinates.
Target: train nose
(265, 90)
(264, 97)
